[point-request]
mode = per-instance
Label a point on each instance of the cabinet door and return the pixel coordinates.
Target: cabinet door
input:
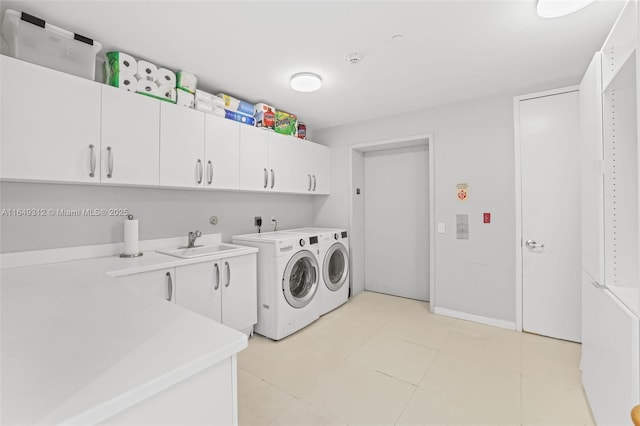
(254, 158)
(130, 137)
(50, 124)
(222, 153)
(288, 172)
(592, 177)
(319, 168)
(200, 288)
(240, 292)
(181, 146)
(160, 283)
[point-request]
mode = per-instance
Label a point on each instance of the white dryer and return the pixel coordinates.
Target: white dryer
(288, 281)
(334, 264)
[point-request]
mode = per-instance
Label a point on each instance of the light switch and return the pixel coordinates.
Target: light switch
(462, 226)
(441, 228)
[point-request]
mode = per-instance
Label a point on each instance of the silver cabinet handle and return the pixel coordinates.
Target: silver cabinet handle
(109, 162)
(314, 183)
(217, 276)
(532, 244)
(226, 265)
(309, 183)
(273, 178)
(92, 161)
(199, 171)
(266, 178)
(209, 172)
(169, 286)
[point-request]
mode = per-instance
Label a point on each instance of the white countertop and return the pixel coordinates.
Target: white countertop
(79, 346)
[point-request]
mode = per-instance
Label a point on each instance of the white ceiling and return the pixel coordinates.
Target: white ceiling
(452, 50)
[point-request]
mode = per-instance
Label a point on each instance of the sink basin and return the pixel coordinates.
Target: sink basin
(187, 253)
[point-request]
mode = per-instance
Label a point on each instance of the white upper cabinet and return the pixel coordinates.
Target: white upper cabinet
(130, 138)
(592, 171)
(50, 126)
(316, 162)
(286, 164)
(254, 159)
(222, 153)
(182, 160)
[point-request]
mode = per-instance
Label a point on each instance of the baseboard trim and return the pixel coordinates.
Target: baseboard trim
(509, 325)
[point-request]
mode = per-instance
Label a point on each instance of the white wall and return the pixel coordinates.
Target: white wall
(473, 143)
(162, 213)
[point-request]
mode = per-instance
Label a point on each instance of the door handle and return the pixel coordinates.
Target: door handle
(314, 183)
(309, 183)
(217, 276)
(109, 162)
(266, 178)
(209, 172)
(169, 286)
(199, 171)
(92, 161)
(226, 264)
(532, 244)
(273, 178)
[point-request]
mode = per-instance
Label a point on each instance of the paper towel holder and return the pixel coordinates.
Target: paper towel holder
(125, 255)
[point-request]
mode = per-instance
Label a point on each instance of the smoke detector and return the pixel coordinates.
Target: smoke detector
(353, 58)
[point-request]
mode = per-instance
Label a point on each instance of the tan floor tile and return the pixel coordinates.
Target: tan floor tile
(360, 396)
(546, 402)
(258, 402)
(490, 347)
(421, 331)
(395, 357)
(552, 359)
(291, 366)
(430, 407)
(302, 414)
(488, 388)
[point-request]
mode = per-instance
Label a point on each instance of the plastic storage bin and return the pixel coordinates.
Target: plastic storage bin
(33, 40)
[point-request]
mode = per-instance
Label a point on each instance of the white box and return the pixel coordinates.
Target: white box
(33, 40)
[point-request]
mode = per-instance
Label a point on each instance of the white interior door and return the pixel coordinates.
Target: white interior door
(396, 203)
(551, 251)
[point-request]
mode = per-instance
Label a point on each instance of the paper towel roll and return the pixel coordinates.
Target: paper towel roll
(147, 70)
(131, 237)
(122, 63)
(185, 98)
(128, 82)
(166, 77)
(168, 92)
(146, 86)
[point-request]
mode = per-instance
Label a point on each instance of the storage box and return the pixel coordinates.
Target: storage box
(286, 123)
(233, 104)
(33, 40)
(265, 116)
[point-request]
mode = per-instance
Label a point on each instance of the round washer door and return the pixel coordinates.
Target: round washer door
(335, 267)
(300, 280)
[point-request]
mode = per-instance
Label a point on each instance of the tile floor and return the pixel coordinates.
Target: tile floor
(384, 360)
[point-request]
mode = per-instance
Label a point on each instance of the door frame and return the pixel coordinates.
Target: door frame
(518, 245)
(402, 142)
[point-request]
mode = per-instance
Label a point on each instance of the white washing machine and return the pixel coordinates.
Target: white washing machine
(288, 281)
(334, 264)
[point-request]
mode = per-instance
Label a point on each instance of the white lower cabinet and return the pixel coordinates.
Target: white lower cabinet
(206, 398)
(223, 290)
(160, 283)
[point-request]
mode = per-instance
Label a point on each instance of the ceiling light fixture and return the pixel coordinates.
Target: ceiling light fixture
(556, 8)
(306, 82)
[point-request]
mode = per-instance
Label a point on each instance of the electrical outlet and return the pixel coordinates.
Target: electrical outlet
(257, 221)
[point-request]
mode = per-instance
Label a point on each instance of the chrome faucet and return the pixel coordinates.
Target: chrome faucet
(192, 238)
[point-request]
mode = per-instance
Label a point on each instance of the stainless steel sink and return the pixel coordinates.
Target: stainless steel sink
(187, 253)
